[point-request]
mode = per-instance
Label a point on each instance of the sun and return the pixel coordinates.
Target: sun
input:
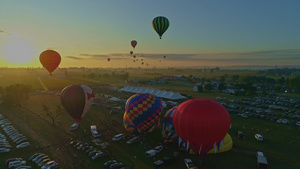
(19, 50)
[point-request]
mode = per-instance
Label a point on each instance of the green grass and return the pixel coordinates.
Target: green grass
(281, 148)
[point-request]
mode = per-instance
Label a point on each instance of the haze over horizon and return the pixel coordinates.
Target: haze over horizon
(201, 33)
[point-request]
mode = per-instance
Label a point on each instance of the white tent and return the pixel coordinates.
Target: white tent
(157, 92)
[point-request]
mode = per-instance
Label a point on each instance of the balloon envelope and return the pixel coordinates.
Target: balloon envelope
(202, 123)
(131, 52)
(143, 111)
(108, 59)
(160, 24)
(168, 129)
(50, 59)
(77, 100)
(133, 43)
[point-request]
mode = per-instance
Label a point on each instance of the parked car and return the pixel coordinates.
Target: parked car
(33, 156)
(94, 152)
(259, 137)
(41, 159)
(15, 164)
(24, 167)
(150, 153)
(118, 137)
(54, 166)
(43, 162)
(94, 131)
(4, 150)
(99, 155)
(158, 164)
(133, 140)
(74, 126)
(188, 163)
(22, 145)
(48, 164)
(12, 159)
(108, 163)
(116, 166)
(38, 157)
(159, 148)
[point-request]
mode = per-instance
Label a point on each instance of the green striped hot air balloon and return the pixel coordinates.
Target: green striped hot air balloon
(160, 24)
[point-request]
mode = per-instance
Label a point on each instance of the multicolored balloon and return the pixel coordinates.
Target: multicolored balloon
(160, 24)
(133, 43)
(202, 123)
(168, 129)
(50, 59)
(77, 100)
(143, 111)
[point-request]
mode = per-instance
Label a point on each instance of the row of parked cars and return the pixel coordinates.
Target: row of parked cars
(14, 135)
(92, 152)
(44, 161)
(113, 164)
(17, 163)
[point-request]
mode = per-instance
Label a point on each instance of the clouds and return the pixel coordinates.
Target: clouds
(259, 57)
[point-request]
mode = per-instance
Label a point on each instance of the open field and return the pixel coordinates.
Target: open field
(281, 148)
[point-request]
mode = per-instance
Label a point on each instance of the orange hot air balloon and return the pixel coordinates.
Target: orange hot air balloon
(50, 59)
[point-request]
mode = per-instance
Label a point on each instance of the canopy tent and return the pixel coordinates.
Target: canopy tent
(159, 93)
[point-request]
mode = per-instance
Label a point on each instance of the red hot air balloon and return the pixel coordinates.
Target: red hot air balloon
(133, 43)
(108, 59)
(77, 100)
(201, 123)
(50, 59)
(131, 52)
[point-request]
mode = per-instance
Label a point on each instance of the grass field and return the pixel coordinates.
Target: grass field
(281, 148)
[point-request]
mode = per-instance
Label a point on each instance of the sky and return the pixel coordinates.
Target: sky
(201, 33)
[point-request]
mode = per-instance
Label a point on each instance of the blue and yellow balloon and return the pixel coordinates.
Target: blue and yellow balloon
(142, 113)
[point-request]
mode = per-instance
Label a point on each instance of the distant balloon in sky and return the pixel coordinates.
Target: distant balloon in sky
(133, 43)
(160, 24)
(50, 59)
(77, 100)
(131, 52)
(134, 56)
(108, 59)
(164, 56)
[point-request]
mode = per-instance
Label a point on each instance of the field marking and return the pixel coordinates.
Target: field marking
(43, 85)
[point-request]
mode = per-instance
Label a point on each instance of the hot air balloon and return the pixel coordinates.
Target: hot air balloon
(50, 59)
(133, 43)
(168, 130)
(77, 100)
(160, 24)
(108, 59)
(131, 52)
(142, 63)
(202, 123)
(164, 56)
(223, 146)
(142, 59)
(134, 56)
(143, 112)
